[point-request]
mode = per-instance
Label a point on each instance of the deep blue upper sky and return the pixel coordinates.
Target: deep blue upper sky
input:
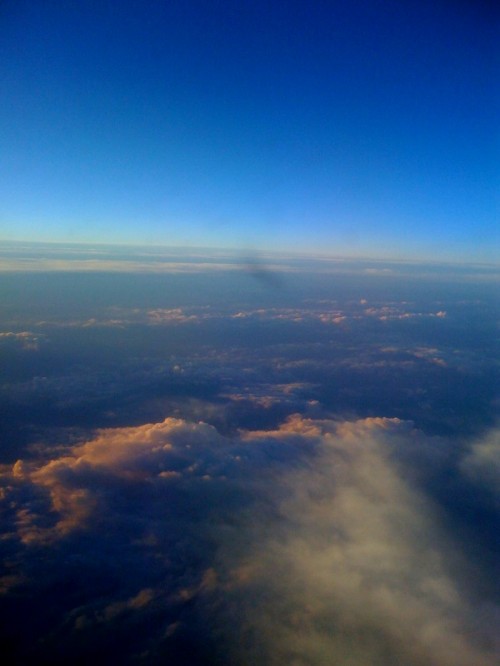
(355, 127)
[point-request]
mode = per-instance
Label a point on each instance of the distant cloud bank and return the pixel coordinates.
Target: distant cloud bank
(264, 268)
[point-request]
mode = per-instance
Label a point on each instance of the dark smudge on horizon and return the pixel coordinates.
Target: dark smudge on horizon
(207, 466)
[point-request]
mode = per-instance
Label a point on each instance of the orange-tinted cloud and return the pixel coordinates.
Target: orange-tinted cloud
(309, 544)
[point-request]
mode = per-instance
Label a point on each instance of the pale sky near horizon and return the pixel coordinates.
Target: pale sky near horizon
(355, 128)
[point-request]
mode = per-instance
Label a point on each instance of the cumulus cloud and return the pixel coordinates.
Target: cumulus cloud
(76, 483)
(354, 568)
(172, 316)
(388, 312)
(311, 312)
(307, 544)
(124, 317)
(267, 395)
(337, 315)
(24, 339)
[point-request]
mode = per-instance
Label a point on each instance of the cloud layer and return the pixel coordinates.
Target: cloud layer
(309, 544)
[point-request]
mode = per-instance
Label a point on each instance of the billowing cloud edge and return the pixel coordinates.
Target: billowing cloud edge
(323, 550)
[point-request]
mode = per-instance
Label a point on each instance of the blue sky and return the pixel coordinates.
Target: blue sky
(355, 128)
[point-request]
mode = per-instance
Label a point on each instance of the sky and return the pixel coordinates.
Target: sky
(352, 128)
